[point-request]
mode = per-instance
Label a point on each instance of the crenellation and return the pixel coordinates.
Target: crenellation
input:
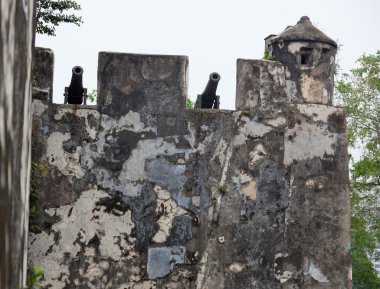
(142, 83)
(143, 193)
(259, 83)
(43, 73)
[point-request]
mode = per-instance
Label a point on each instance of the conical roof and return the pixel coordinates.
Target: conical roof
(304, 30)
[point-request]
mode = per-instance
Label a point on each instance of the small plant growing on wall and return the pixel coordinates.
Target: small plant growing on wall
(222, 189)
(189, 103)
(33, 280)
(92, 96)
(246, 113)
(266, 55)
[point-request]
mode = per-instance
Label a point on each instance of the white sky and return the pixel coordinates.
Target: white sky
(212, 33)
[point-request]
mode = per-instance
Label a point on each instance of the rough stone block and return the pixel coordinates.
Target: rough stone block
(259, 83)
(150, 84)
(43, 73)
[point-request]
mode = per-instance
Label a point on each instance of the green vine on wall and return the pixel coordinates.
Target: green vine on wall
(37, 172)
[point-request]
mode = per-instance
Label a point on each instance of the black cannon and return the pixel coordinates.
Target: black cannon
(209, 99)
(75, 93)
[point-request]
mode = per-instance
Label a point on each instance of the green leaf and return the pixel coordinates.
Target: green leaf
(50, 14)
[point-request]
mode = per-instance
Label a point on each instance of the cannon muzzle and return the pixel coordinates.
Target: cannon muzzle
(209, 99)
(75, 93)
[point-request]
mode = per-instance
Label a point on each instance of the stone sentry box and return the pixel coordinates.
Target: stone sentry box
(143, 193)
(309, 57)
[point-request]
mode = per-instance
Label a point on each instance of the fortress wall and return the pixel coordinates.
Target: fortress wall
(142, 193)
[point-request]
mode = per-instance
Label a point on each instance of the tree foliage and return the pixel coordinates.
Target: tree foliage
(359, 93)
(51, 13)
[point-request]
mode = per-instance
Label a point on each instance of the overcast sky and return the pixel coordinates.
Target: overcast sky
(212, 33)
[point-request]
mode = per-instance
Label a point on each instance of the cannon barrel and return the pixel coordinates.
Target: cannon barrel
(209, 99)
(75, 92)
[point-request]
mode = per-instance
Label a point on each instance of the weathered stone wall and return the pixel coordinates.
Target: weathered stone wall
(16, 39)
(142, 193)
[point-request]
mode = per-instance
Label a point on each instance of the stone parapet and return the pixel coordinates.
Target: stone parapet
(259, 83)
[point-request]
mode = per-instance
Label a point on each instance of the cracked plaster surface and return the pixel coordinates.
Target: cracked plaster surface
(67, 163)
(250, 129)
(80, 113)
(167, 209)
(316, 273)
(308, 141)
(79, 224)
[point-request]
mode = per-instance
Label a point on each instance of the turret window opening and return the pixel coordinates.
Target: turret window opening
(306, 56)
(325, 50)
